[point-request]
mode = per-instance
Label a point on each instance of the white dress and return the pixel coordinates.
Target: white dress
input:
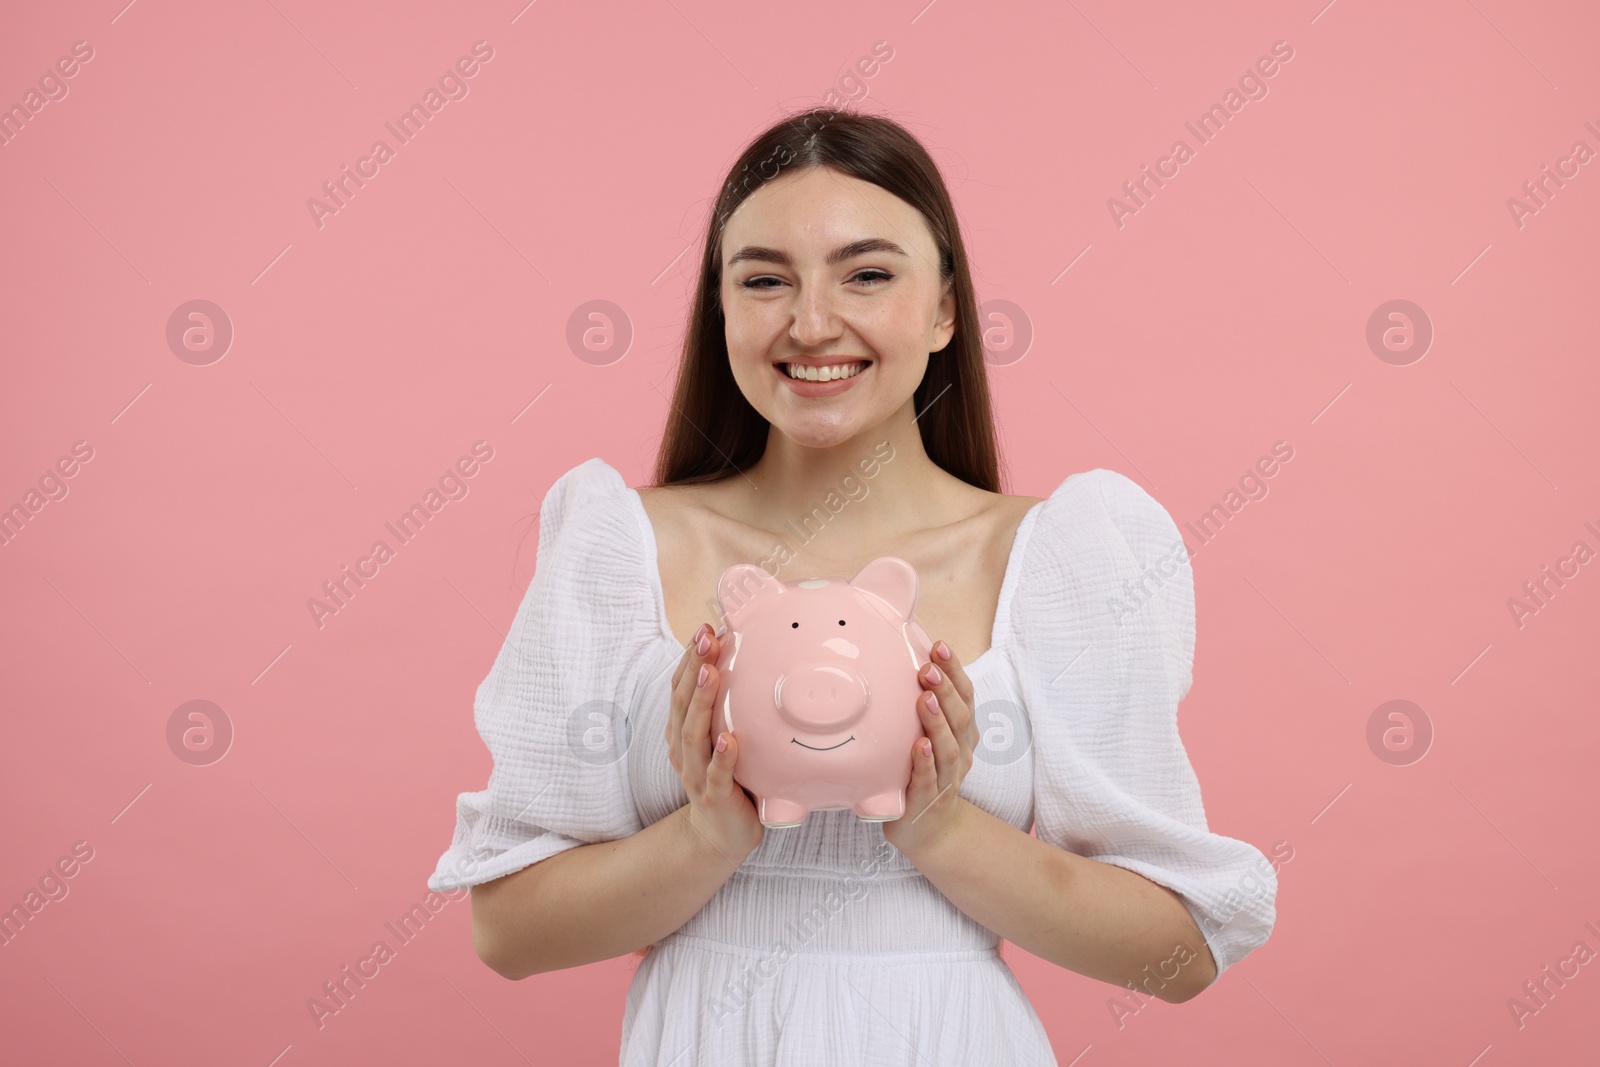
(827, 946)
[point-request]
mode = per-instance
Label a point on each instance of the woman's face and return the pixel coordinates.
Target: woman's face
(786, 299)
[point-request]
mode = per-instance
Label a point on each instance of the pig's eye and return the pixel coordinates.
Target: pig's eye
(795, 625)
(841, 622)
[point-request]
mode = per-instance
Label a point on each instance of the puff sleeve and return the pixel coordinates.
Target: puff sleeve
(1103, 632)
(556, 706)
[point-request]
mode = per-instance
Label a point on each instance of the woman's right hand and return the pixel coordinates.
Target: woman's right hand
(720, 809)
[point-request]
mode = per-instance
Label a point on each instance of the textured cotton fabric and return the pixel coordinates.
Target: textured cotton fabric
(827, 946)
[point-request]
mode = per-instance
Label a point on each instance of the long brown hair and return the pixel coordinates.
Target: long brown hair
(712, 431)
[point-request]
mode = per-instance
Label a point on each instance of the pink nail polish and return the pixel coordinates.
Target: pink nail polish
(703, 645)
(722, 742)
(933, 675)
(942, 650)
(933, 705)
(700, 681)
(927, 747)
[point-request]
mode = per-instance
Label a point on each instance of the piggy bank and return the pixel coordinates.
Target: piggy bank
(819, 682)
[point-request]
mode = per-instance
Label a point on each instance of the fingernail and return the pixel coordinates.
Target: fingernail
(932, 675)
(705, 672)
(701, 631)
(933, 705)
(942, 650)
(703, 645)
(722, 742)
(927, 748)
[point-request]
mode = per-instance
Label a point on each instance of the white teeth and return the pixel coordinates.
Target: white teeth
(825, 374)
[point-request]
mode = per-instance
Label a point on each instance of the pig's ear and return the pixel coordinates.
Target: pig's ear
(892, 580)
(742, 585)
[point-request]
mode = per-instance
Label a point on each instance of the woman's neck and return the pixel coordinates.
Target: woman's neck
(875, 487)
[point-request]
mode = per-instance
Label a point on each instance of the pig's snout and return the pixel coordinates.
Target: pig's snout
(821, 696)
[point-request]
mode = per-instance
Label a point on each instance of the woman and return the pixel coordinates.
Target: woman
(612, 821)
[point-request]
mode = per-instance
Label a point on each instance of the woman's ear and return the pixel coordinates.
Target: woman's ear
(944, 324)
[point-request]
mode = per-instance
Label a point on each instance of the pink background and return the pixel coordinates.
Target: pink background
(1229, 313)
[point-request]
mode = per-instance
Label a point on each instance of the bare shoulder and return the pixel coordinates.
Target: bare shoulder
(1018, 505)
(1009, 512)
(1005, 511)
(987, 531)
(690, 529)
(672, 510)
(691, 551)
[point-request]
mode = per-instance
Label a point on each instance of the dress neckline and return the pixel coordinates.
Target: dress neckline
(999, 631)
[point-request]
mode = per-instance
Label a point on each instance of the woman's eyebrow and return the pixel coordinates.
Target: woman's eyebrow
(759, 254)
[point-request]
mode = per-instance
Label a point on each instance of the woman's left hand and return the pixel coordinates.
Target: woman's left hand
(933, 802)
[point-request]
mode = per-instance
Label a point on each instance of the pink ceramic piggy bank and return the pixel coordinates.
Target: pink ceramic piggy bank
(819, 682)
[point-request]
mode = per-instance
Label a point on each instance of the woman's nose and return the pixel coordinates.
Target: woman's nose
(816, 320)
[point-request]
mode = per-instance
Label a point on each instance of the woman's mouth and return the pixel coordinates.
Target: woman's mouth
(812, 380)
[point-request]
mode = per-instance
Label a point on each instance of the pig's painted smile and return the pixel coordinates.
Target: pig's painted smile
(830, 748)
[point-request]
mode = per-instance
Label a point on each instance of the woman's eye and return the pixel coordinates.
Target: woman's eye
(871, 276)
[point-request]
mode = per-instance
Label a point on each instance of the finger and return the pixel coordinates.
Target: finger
(924, 778)
(697, 721)
(679, 700)
(683, 680)
(957, 709)
(944, 656)
(683, 661)
(689, 653)
(937, 726)
(672, 695)
(719, 776)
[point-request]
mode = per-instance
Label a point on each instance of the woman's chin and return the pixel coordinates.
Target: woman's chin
(818, 430)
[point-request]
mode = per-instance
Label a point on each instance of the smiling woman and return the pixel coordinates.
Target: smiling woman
(834, 320)
(896, 269)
